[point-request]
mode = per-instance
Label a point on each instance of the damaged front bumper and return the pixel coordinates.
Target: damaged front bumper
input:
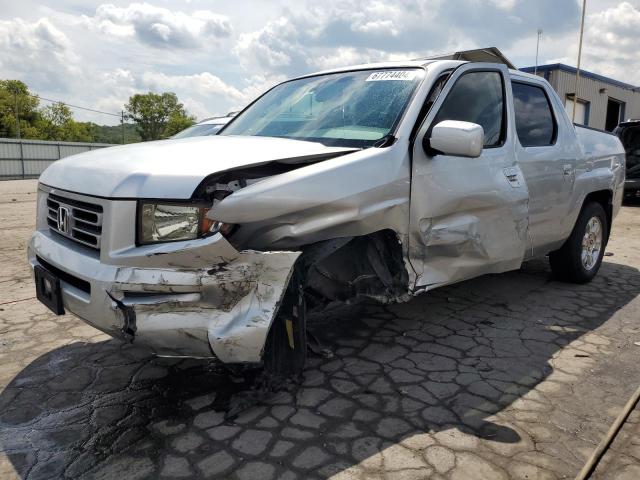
(222, 308)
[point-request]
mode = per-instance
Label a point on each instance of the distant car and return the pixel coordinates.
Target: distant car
(208, 126)
(629, 134)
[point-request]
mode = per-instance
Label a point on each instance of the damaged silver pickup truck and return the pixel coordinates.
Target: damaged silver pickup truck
(372, 182)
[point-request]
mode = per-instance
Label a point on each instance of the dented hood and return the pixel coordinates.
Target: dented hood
(172, 169)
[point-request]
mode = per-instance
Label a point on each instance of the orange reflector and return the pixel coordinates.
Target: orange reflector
(208, 225)
(289, 324)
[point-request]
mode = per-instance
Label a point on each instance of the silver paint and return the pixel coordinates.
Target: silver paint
(591, 243)
(456, 218)
(467, 219)
(200, 298)
(171, 168)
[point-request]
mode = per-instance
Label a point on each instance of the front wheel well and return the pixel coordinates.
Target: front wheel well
(604, 198)
(352, 269)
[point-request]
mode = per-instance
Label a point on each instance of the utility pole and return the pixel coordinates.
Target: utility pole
(575, 90)
(122, 124)
(535, 70)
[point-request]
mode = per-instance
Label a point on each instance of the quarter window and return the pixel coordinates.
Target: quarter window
(534, 121)
(477, 97)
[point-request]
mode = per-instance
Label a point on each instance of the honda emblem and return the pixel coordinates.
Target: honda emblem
(63, 219)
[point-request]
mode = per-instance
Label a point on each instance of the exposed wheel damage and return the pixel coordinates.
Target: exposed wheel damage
(349, 270)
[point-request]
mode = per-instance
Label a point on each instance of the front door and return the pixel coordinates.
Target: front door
(468, 216)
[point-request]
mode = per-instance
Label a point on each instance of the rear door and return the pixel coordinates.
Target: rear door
(547, 158)
(468, 216)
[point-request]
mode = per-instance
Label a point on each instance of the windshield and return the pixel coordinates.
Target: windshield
(199, 131)
(351, 109)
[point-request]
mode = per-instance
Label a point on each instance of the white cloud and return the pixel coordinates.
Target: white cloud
(616, 28)
(377, 26)
(97, 54)
(160, 27)
(201, 84)
(32, 38)
(610, 43)
(504, 4)
(199, 91)
(349, 56)
(273, 47)
(295, 44)
(37, 52)
(114, 86)
(320, 35)
(373, 17)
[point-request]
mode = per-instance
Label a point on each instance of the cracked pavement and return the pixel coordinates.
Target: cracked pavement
(505, 376)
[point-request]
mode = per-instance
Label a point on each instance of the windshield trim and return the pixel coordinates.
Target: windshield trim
(394, 127)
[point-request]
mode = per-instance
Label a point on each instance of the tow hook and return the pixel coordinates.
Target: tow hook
(129, 319)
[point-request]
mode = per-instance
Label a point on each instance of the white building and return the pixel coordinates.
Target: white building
(602, 102)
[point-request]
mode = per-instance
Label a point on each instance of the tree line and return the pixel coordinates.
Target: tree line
(154, 116)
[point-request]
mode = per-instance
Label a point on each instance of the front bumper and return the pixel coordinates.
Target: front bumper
(223, 308)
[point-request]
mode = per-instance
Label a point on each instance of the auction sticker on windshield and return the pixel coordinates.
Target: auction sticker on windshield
(392, 75)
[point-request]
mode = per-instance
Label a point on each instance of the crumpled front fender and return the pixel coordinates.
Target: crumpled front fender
(224, 309)
(233, 307)
(256, 284)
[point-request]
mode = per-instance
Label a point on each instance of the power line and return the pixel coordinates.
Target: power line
(119, 115)
(76, 106)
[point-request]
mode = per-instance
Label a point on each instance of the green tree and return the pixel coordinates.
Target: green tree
(15, 98)
(56, 123)
(113, 133)
(177, 123)
(157, 115)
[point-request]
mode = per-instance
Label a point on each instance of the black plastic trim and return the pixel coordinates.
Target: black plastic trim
(75, 203)
(66, 277)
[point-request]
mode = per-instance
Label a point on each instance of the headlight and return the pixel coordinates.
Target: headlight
(164, 222)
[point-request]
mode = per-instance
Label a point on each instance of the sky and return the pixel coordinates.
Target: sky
(218, 55)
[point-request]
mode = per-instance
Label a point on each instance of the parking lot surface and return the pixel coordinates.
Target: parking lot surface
(505, 376)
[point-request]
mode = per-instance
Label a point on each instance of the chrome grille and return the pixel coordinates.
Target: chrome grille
(76, 220)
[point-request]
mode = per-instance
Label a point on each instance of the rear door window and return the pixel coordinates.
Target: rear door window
(535, 123)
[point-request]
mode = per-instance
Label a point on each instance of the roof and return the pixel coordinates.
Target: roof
(370, 66)
(583, 73)
(483, 55)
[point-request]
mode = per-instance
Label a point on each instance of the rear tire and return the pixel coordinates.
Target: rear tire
(579, 259)
(286, 348)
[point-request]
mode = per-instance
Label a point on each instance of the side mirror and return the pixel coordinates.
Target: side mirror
(461, 139)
